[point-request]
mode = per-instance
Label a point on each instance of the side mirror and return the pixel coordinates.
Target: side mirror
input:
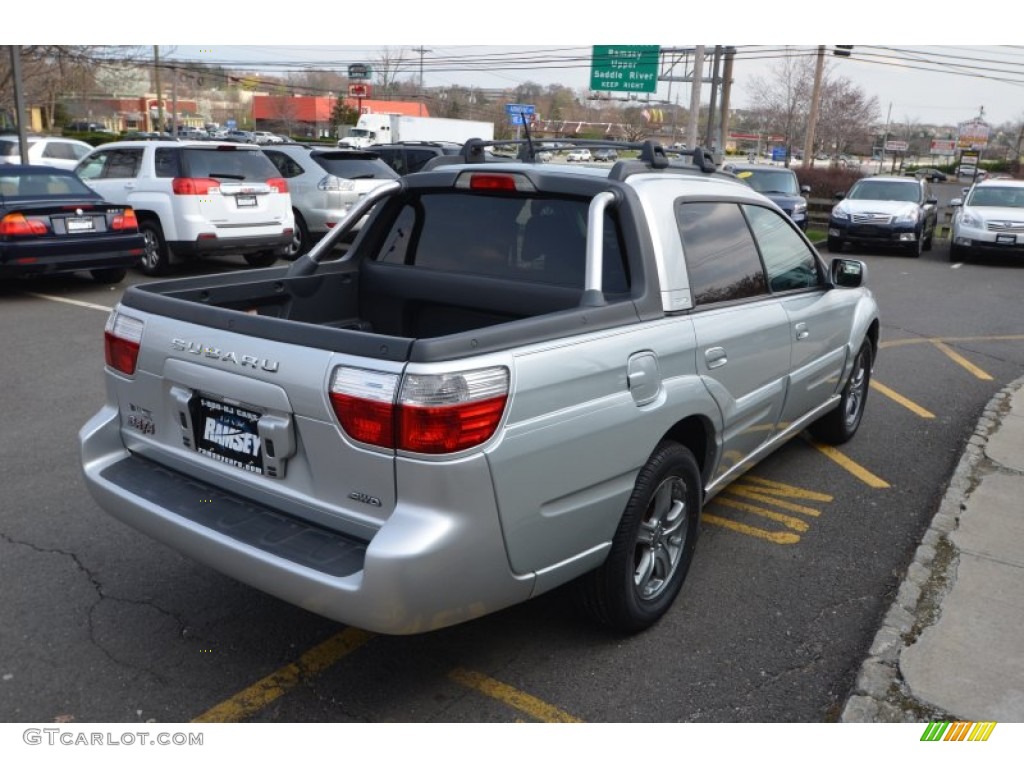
(806, 189)
(838, 196)
(956, 202)
(932, 201)
(848, 273)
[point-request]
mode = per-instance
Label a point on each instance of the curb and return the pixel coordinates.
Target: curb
(880, 694)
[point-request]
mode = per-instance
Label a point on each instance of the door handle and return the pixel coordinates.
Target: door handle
(801, 331)
(715, 357)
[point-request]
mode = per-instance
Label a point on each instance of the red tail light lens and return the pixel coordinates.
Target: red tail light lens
(434, 413)
(278, 184)
(187, 186)
(125, 221)
(121, 339)
(16, 225)
(492, 182)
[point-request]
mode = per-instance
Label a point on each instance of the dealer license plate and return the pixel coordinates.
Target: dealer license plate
(79, 225)
(1006, 239)
(228, 433)
(245, 201)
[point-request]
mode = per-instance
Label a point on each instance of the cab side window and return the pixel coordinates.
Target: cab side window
(788, 261)
(720, 254)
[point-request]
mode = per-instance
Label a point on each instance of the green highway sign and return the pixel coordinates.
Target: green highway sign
(624, 68)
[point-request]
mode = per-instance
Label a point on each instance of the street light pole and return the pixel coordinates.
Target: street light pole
(812, 121)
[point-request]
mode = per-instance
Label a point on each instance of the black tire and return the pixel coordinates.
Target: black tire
(261, 259)
(156, 259)
(916, 247)
(928, 240)
(840, 424)
(300, 239)
(956, 253)
(108, 276)
(835, 245)
(653, 545)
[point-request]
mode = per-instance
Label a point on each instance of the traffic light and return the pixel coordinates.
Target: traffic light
(843, 50)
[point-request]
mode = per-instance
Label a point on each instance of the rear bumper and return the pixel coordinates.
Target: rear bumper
(253, 244)
(424, 569)
(49, 258)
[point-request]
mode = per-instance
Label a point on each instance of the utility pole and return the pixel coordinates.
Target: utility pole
(710, 135)
(421, 50)
(19, 102)
(723, 124)
(174, 102)
(698, 69)
(885, 140)
(159, 98)
(812, 122)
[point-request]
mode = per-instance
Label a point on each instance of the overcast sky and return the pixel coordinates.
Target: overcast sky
(473, 43)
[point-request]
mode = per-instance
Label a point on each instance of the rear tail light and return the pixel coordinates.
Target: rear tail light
(16, 225)
(333, 183)
(422, 413)
(121, 339)
(125, 221)
(278, 184)
(189, 186)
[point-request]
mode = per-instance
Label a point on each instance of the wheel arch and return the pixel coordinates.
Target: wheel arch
(696, 433)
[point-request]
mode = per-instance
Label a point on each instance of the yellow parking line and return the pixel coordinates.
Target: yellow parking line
(749, 493)
(260, 694)
(891, 343)
(775, 488)
(776, 537)
(793, 523)
(961, 360)
(524, 702)
(851, 466)
(910, 405)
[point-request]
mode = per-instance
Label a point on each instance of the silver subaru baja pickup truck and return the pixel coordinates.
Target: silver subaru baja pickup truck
(520, 375)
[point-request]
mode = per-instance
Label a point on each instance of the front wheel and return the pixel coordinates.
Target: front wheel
(108, 276)
(653, 546)
(840, 425)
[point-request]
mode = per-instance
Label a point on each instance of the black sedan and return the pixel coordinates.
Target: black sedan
(51, 222)
(931, 174)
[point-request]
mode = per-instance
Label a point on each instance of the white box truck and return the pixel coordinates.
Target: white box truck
(388, 128)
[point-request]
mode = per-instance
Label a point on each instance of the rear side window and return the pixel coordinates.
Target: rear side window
(721, 257)
(122, 164)
(227, 163)
(287, 167)
(532, 239)
(60, 150)
(168, 162)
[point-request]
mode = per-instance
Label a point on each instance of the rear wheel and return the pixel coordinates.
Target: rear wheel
(156, 258)
(300, 239)
(653, 545)
(840, 425)
(108, 276)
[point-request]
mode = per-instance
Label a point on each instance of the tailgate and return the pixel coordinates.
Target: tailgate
(252, 415)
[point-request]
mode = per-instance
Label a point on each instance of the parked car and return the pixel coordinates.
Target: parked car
(410, 156)
(578, 156)
(266, 137)
(54, 151)
(778, 184)
(51, 222)
(196, 198)
(990, 219)
(243, 137)
(606, 155)
(931, 174)
(324, 184)
(522, 375)
(885, 211)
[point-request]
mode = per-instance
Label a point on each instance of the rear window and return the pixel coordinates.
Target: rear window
(241, 164)
(534, 239)
(18, 185)
(346, 166)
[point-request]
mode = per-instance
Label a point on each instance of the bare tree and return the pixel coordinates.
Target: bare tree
(846, 116)
(388, 66)
(783, 98)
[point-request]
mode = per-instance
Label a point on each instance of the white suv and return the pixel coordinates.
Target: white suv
(54, 151)
(196, 198)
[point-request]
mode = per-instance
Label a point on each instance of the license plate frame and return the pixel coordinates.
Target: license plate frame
(227, 433)
(79, 224)
(1006, 239)
(245, 201)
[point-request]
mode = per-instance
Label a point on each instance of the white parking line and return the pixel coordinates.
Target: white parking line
(74, 302)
